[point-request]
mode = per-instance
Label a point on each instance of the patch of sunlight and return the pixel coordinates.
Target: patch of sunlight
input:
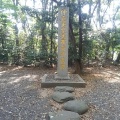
(19, 79)
(16, 80)
(115, 80)
(27, 76)
(33, 78)
(16, 68)
(2, 72)
(106, 73)
(111, 73)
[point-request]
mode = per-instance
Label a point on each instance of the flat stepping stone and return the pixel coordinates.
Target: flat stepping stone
(77, 106)
(62, 97)
(64, 89)
(64, 115)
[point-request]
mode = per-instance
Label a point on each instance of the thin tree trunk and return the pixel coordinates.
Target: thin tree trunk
(98, 13)
(118, 58)
(17, 58)
(43, 27)
(51, 37)
(73, 41)
(80, 36)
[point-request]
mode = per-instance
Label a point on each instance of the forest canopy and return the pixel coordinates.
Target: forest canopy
(29, 31)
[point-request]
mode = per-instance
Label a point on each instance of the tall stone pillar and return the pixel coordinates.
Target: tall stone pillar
(63, 33)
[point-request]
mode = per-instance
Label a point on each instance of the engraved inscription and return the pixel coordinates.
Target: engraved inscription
(63, 29)
(63, 35)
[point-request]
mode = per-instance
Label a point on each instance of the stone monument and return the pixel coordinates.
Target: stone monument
(61, 77)
(63, 28)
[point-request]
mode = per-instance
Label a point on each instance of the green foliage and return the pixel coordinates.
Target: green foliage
(30, 33)
(9, 6)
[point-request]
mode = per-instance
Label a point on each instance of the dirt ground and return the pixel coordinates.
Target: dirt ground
(22, 98)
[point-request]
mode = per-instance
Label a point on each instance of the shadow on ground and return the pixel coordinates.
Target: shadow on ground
(19, 94)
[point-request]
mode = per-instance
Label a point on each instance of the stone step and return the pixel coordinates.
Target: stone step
(64, 89)
(77, 106)
(64, 115)
(62, 97)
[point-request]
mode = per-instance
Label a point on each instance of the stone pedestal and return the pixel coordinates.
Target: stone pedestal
(75, 80)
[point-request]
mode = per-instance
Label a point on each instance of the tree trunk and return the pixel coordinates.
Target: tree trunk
(73, 41)
(43, 27)
(51, 37)
(16, 57)
(80, 37)
(118, 58)
(98, 13)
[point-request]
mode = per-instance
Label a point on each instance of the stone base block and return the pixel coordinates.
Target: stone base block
(61, 78)
(48, 80)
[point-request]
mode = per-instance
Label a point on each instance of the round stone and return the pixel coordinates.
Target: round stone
(77, 106)
(64, 89)
(64, 115)
(62, 97)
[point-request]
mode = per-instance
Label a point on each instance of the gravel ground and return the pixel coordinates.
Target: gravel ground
(104, 99)
(21, 97)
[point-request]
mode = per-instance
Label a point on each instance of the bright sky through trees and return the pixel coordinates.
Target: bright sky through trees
(108, 15)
